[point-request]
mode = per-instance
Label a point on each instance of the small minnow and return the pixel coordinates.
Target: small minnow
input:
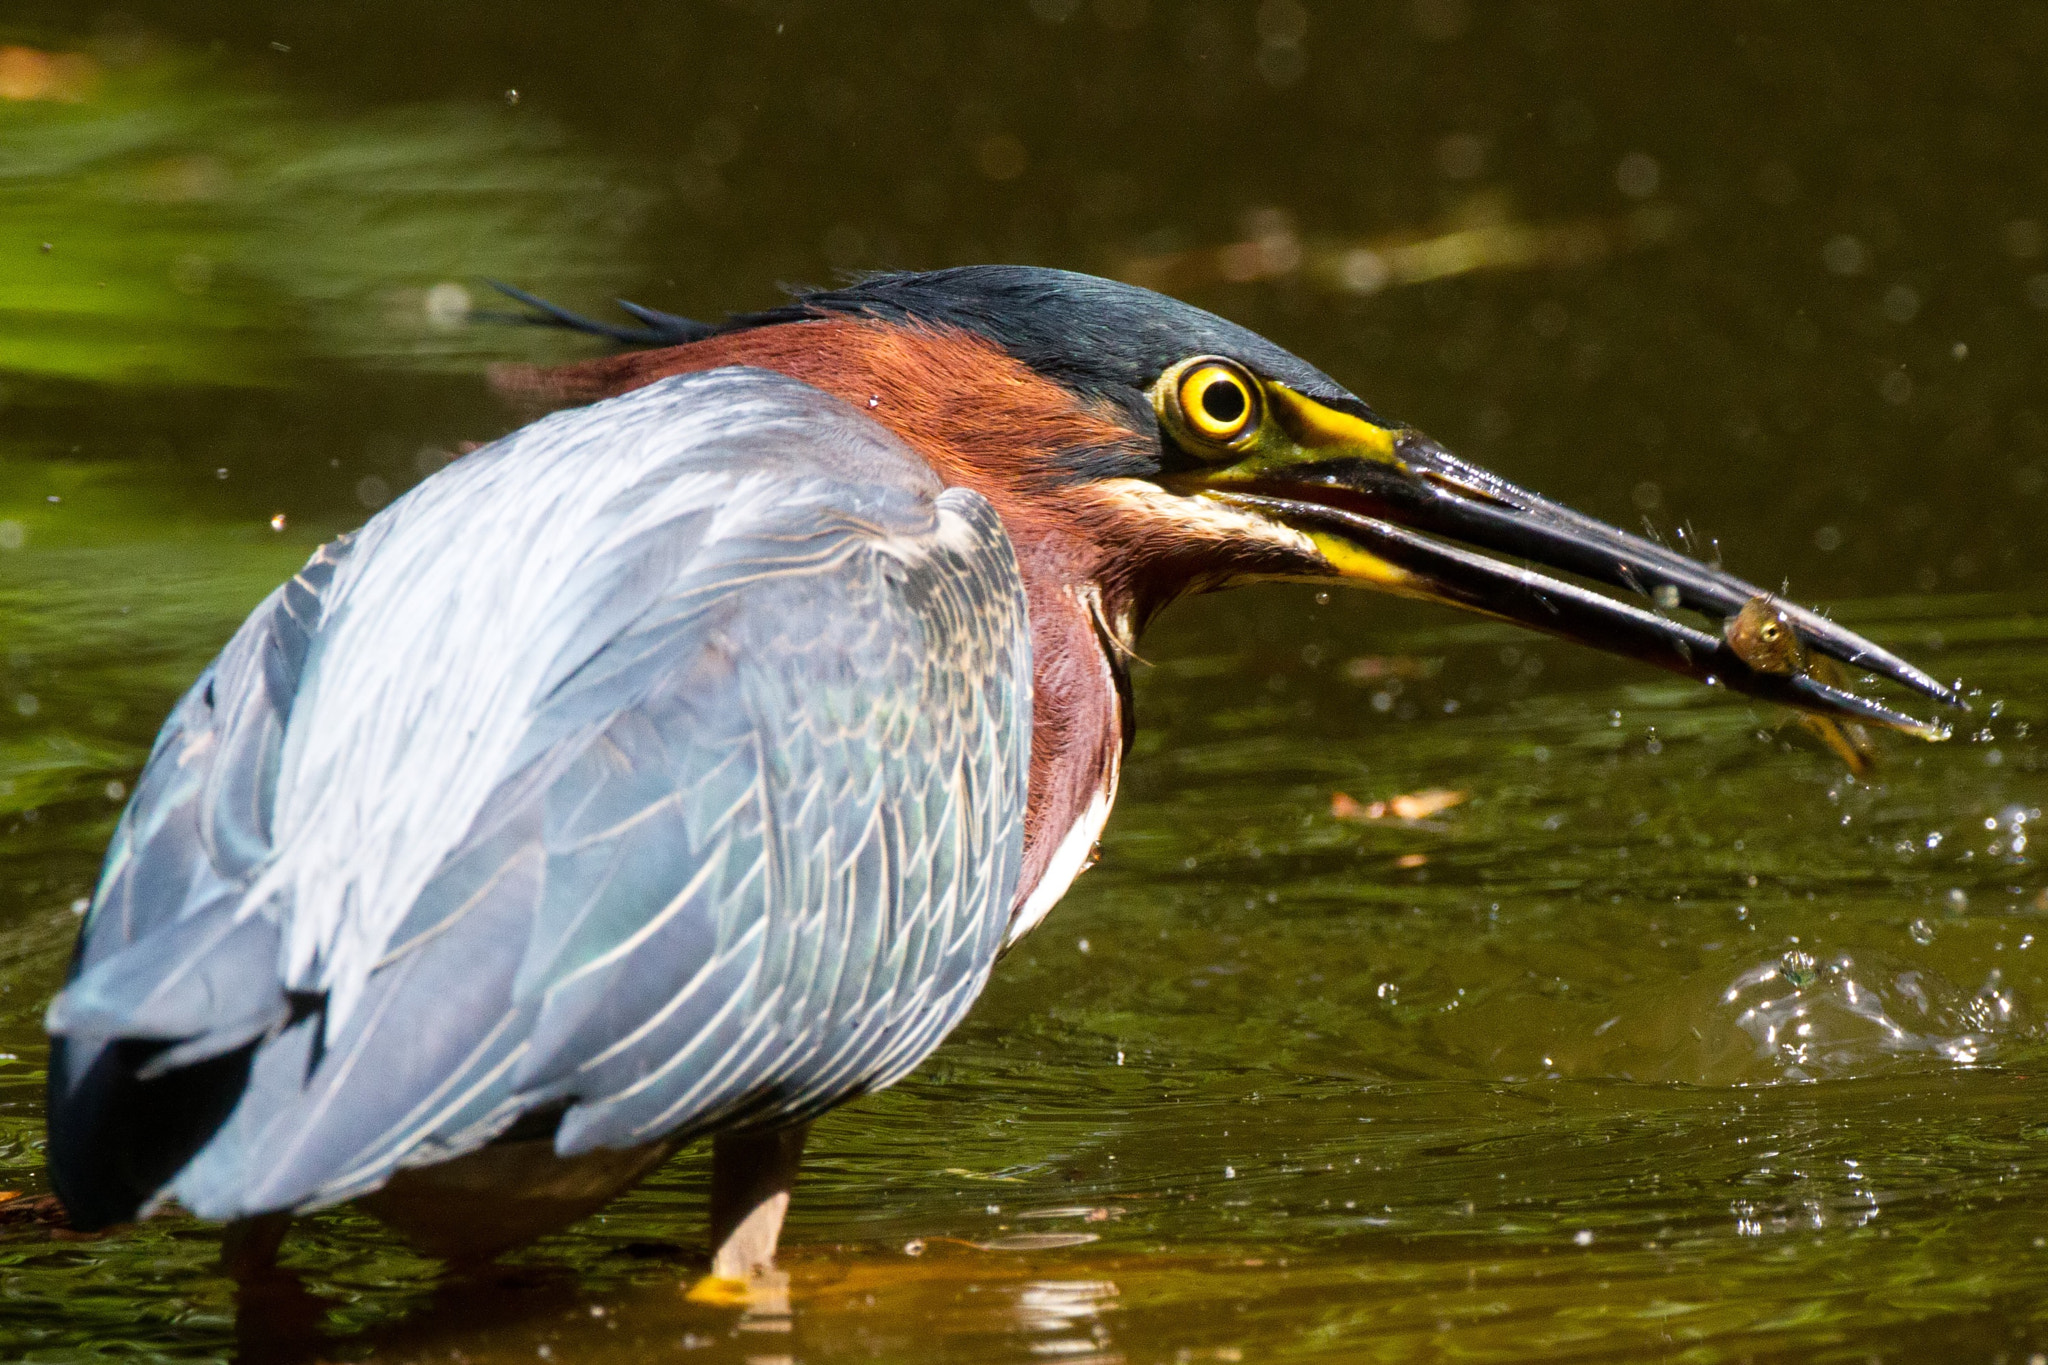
(1763, 636)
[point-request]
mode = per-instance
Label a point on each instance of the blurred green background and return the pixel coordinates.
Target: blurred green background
(1670, 1040)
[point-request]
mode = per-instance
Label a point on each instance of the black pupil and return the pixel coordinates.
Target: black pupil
(1223, 400)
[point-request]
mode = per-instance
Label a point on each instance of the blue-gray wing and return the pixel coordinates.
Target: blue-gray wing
(748, 851)
(196, 828)
(164, 963)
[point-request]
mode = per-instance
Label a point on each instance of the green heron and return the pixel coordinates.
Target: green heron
(680, 764)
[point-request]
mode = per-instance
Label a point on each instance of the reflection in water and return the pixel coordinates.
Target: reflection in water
(1065, 1317)
(1482, 236)
(188, 219)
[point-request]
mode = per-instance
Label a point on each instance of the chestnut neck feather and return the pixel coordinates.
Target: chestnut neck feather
(982, 420)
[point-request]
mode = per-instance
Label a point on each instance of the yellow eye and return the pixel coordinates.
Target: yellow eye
(1218, 401)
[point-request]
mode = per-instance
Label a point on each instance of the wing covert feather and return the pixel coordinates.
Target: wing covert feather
(750, 852)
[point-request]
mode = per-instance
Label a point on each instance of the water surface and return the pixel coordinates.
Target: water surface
(1669, 1040)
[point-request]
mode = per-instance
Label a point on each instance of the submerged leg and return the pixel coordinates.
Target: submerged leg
(276, 1317)
(248, 1246)
(751, 1175)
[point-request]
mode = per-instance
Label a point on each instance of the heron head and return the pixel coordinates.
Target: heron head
(1166, 450)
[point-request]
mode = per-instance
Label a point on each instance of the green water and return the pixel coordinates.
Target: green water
(1671, 1041)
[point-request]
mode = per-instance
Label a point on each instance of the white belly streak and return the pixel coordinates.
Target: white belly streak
(1068, 861)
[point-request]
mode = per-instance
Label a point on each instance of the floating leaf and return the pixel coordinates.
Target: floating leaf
(1408, 806)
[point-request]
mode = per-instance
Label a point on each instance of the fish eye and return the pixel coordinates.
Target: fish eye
(1218, 400)
(1763, 638)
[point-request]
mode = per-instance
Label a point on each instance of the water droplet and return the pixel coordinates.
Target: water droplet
(1844, 255)
(1797, 967)
(1637, 175)
(447, 306)
(1921, 932)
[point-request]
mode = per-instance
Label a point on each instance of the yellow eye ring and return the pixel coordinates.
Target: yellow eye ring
(1218, 401)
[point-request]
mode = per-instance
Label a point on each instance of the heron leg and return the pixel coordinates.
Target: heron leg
(277, 1318)
(751, 1176)
(248, 1246)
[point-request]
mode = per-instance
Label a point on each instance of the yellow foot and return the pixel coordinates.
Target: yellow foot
(764, 1292)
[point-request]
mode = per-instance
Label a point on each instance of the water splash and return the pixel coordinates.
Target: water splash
(1836, 1019)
